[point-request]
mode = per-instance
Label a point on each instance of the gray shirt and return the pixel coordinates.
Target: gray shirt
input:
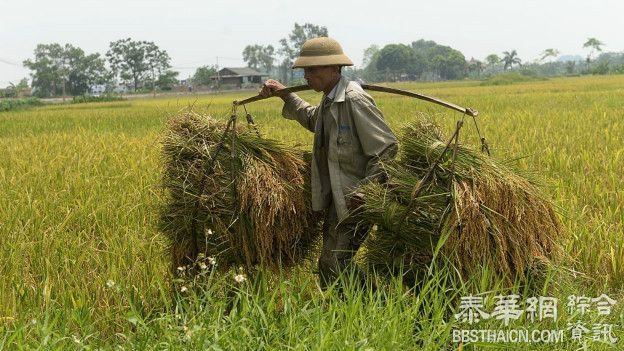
(351, 137)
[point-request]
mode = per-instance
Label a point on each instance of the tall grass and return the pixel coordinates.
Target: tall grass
(84, 265)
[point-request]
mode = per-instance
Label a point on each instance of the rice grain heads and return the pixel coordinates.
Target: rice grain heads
(251, 208)
(479, 211)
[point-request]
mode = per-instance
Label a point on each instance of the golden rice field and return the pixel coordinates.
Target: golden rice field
(83, 265)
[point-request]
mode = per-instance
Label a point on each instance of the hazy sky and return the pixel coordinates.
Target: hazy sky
(195, 32)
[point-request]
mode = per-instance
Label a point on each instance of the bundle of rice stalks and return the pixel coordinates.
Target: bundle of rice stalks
(477, 210)
(252, 208)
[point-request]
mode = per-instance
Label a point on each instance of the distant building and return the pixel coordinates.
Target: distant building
(97, 89)
(238, 76)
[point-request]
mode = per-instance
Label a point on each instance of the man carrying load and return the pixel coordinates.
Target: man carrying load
(351, 138)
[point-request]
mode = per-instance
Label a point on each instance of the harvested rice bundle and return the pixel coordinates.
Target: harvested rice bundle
(492, 215)
(254, 207)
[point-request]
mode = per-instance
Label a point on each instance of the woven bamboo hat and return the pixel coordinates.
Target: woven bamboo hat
(321, 51)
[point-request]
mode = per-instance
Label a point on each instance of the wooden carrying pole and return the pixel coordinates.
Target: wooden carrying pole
(468, 111)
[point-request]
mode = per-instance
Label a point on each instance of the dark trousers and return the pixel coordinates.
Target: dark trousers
(340, 243)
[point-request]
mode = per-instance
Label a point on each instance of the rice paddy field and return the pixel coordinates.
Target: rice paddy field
(84, 266)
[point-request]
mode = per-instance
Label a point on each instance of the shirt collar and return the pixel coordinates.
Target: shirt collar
(337, 94)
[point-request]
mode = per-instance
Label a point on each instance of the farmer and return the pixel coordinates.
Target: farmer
(351, 137)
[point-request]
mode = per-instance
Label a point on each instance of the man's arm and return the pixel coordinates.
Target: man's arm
(294, 107)
(298, 109)
(377, 139)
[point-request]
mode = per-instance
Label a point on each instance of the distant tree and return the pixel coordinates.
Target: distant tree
(395, 60)
(370, 71)
(445, 62)
(167, 79)
(570, 66)
(57, 69)
(439, 61)
(158, 64)
(202, 75)
(510, 58)
(258, 56)
(22, 85)
(85, 71)
(267, 58)
(594, 45)
(48, 76)
(475, 66)
(601, 68)
(423, 45)
(549, 53)
(291, 46)
(251, 55)
(14, 90)
(137, 61)
(369, 54)
(492, 59)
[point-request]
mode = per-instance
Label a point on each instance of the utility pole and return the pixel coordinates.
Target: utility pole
(218, 77)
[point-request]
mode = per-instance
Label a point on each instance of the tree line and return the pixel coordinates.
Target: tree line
(426, 60)
(143, 66)
(67, 70)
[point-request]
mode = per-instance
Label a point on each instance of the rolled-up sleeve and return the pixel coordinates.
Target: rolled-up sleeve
(298, 109)
(377, 139)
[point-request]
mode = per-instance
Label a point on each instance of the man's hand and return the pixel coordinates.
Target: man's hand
(270, 86)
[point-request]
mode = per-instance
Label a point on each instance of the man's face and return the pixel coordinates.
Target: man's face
(319, 77)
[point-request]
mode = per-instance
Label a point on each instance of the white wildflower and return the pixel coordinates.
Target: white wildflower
(33, 321)
(212, 261)
(203, 266)
(76, 339)
(181, 268)
(183, 289)
(209, 231)
(239, 278)
(110, 283)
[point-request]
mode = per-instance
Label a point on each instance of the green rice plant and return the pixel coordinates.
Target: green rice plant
(236, 197)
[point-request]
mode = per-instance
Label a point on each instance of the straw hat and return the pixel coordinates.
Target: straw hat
(321, 51)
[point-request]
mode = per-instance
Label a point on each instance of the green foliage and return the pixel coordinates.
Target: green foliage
(422, 60)
(291, 45)
(601, 68)
(258, 56)
(549, 53)
(81, 99)
(395, 60)
(167, 79)
(60, 69)
(594, 44)
(14, 91)
(475, 67)
(202, 75)
(299, 35)
(138, 61)
(15, 104)
(370, 53)
(619, 69)
(446, 62)
(511, 78)
(492, 59)
(510, 58)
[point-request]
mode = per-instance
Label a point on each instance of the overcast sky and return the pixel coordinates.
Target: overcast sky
(195, 33)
